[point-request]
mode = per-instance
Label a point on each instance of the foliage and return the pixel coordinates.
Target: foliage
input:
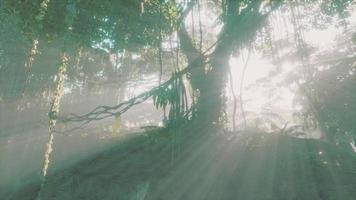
(333, 92)
(13, 48)
(112, 25)
(99, 28)
(175, 96)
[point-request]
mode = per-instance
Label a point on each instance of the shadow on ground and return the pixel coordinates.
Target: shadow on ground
(163, 165)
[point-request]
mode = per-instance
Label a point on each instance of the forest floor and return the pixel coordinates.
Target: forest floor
(206, 164)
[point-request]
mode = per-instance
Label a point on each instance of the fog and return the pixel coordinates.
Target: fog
(24, 134)
(197, 99)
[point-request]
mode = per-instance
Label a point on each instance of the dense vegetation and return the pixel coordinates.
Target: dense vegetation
(50, 47)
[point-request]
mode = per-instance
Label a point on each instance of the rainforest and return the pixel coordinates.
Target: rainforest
(178, 99)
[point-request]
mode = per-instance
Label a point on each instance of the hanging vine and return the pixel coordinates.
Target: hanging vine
(241, 89)
(234, 101)
(160, 47)
(103, 112)
(200, 27)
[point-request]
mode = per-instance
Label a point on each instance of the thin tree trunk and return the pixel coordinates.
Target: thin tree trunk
(53, 113)
(28, 64)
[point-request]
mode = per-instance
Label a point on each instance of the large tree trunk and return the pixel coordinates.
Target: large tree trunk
(211, 102)
(210, 81)
(194, 57)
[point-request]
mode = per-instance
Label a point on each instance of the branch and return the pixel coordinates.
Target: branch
(190, 6)
(103, 112)
(187, 45)
(186, 42)
(240, 26)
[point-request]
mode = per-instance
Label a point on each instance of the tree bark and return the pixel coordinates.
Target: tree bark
(210, 81)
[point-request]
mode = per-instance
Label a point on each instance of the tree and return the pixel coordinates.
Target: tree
(133, 25)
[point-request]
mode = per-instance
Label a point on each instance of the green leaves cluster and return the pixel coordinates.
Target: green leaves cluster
(122, 24)
(336, 7)
(173, 95)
